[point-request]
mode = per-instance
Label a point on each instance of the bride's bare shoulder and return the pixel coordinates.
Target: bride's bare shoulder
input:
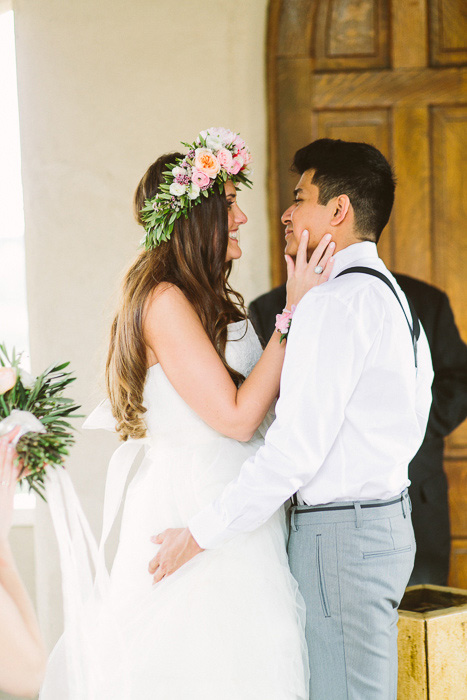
(170, 325)
(167, 301)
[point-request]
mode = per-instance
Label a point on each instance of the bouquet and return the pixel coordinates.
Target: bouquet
(42, 412)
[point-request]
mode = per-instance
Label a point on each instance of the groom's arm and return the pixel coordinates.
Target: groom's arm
(309, 416)
(322, 348)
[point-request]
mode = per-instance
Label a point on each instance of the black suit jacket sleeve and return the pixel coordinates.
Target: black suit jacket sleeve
(448, 353)
(449, 356)
(263, 312)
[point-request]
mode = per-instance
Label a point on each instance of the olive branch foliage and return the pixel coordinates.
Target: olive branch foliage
(45, 400)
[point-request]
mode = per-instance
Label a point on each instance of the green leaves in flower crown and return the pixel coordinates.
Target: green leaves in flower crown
(216, 156)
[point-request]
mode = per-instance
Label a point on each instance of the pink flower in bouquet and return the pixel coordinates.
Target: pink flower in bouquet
(7, 379)
(225, 158)
(199, 178)
(206, 162)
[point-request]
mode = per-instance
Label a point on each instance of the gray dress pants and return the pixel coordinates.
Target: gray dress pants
(352, 562)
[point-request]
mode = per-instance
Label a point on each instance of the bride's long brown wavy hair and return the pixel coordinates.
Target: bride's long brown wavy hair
(193, 260)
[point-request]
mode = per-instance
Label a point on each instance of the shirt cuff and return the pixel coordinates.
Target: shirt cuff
(208, 528)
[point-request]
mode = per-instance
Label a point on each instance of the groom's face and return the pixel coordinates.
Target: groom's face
(305, 213)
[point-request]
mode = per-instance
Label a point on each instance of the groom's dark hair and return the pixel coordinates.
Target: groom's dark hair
(356, 169)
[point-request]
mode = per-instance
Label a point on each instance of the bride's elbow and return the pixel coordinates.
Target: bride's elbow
(245, 437)
(236, 422)
(242, 433)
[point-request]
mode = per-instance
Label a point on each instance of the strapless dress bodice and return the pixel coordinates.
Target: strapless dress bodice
(167, 413)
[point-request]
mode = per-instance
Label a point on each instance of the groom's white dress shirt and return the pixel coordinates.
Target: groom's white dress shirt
(352, 410)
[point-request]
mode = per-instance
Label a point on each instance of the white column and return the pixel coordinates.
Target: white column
(104, 88)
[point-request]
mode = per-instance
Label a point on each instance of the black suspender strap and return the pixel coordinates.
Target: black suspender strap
(415, 327)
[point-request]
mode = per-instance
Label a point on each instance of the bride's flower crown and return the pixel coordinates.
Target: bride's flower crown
(215, 156)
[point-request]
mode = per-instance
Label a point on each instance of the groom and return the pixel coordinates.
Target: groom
(354, 403)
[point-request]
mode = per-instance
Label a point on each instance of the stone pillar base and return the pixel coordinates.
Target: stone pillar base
(433, 644)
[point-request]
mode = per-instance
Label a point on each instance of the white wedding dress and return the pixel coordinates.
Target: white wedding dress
(226, 626)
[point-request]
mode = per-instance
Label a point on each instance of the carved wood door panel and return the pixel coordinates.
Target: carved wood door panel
(393, 74)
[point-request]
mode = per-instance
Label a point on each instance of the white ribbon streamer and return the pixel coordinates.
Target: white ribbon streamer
(80, 558)
(76, 576)
(25, 419)
(119, 468)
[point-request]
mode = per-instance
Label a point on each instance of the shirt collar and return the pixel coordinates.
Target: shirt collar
(348, 256)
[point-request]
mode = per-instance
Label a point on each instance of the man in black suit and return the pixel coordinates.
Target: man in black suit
(428, 490)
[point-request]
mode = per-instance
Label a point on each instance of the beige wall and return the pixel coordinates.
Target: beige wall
(105, 87)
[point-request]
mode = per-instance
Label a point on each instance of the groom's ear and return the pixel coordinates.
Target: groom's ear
(341, 208)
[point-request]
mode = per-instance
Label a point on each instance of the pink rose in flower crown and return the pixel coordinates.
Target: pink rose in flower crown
(206, 162)
(239, 143)
(7, 379)
(199, 178)
(224, 158)
(246, 155)
(237, 165)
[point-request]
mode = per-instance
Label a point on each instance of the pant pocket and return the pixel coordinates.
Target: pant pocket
(387, 552)
(321, 578)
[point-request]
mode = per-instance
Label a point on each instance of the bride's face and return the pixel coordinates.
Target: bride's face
(235, 218)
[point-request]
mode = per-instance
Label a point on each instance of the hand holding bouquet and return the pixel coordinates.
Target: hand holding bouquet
(8, 476)
(41, 411)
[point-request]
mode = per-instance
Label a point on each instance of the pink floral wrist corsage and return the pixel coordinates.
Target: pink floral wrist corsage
(283, 322)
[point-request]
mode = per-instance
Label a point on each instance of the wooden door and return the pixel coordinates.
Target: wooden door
(393, 74)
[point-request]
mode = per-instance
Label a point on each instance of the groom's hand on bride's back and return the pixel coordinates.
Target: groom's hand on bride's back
(177, 547)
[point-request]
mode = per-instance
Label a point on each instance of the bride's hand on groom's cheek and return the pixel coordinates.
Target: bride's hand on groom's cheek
(177, 547)
(303, 275)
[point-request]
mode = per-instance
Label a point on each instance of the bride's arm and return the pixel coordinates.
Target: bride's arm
(22, 652)
(175, 335)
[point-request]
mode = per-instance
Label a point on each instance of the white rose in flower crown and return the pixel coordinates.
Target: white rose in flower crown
(228, 137)
(213, 142)
(220, 131)
(178, 171)
(177, 189)
(206, 162)
(193, 190)
(7, 379)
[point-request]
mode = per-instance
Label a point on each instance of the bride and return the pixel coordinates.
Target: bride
(187, 380)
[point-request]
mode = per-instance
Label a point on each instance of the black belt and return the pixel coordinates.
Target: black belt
(317, 509)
